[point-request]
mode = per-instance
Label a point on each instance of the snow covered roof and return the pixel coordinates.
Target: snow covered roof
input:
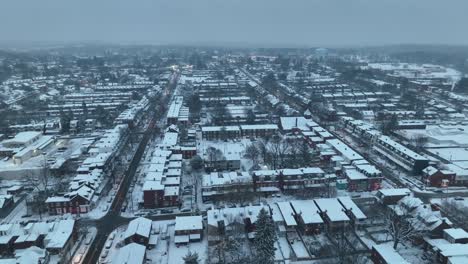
(231, 215)
(389, 254)
(449, 250)
(57, 199)
(456, 233)
(219, 128)
(307, 210)
(395, 192)
(368, 169)
(4, 198)
(30, 255)
(171, 190)
(132, 253)
(307, 171)
(288, 213)
(62, 232)
(224, 178)
(184, 223)
(347, 152)
(332, 208)
(153, 186)
(400, 148)
(139, 226)
(290, 122)
(352, 207)
(170, 138)
(259, 127)
(430, 170)
(23, 138)
(354, 174)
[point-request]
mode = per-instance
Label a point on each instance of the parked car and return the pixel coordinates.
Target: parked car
(88, 240)
(77, 259)
(108, 244)
(167, 211)
(104, 254)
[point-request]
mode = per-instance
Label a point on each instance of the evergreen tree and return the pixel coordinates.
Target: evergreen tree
(250, 117)
(194, 103)
(306, 157)
(196, 163)
(252, 153)
(191, 258)
(85, 110)
(390, 126)
(265, 238)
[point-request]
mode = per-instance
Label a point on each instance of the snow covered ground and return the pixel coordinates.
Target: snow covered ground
(165, 252)
(424, 70)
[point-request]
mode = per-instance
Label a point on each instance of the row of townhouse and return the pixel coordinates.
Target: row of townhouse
(304, 216)
(118, 87)
(313, 216)
(236, 100)
(162, 174)
(358, 173)
(83, 191)
(177, 113)
(387, 147)
(97, 97)
(221, 184)
(400, 155)
(216, 88)
(355, 95)
(56, 237)
(90, 181)
(354, 170)
(233, 132)
(291, 180)
(132, 114)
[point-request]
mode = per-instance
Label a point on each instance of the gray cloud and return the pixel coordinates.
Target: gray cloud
(257, 22)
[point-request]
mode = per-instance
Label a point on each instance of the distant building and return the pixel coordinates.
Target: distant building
(437, 178)
(400, 155)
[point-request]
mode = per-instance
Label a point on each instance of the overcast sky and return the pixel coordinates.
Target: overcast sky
(239, 22)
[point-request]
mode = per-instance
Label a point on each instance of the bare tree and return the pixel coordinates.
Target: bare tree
(214, 154)
(420, 141)
(263, 149)
(284, 152)
(458, 213)
(274, 151)
(399, 224)
(252, 153)
(229, 248)
(346, 250)
(278, 150)
(295, 151)
(40, 184)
